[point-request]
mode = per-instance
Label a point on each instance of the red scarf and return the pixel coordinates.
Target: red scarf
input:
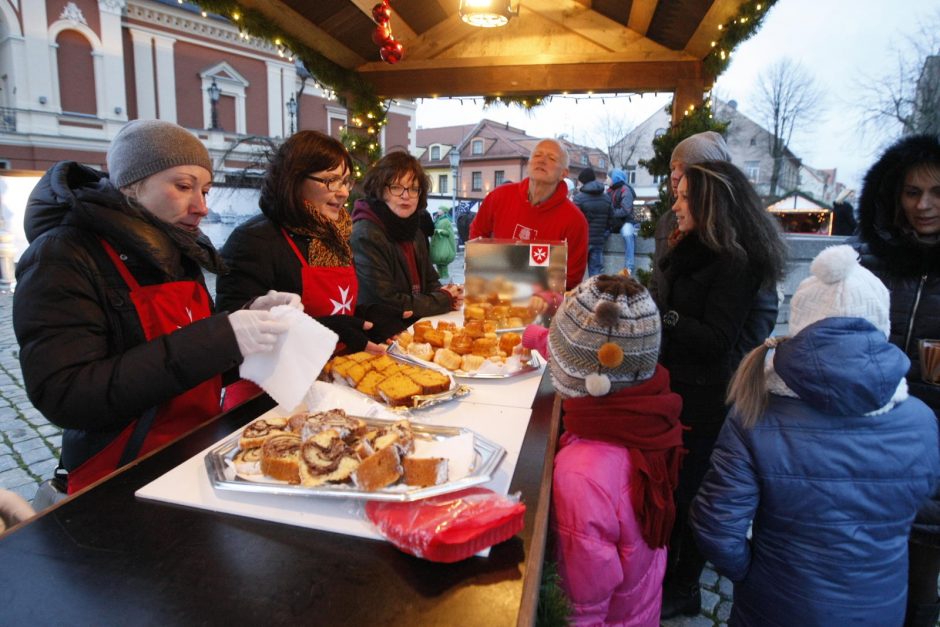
(645, 419)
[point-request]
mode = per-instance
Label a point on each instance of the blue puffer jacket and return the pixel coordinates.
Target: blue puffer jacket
(831, 491)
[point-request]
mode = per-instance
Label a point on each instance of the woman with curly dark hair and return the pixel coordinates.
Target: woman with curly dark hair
(390, 251)
(899, 241)
(300, 244)
(725, 248)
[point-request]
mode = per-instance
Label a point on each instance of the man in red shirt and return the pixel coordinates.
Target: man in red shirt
(537, 209)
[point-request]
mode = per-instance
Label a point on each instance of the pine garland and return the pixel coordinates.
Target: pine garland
(737, 29)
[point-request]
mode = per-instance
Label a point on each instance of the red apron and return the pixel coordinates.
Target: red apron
(162, 309)
(325, 291)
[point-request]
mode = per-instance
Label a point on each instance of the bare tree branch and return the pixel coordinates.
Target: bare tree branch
(788, 101)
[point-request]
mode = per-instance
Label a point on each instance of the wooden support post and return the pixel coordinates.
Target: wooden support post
(689, 91)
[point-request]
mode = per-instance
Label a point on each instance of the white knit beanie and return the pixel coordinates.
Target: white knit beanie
(839, 287)
(604, 337)
(145, 147)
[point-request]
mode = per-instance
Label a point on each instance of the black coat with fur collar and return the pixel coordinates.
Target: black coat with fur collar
(908, 267)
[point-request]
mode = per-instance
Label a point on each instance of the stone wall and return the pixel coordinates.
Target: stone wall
(803, 248)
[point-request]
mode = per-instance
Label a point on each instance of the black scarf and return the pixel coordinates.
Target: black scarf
(398, 229)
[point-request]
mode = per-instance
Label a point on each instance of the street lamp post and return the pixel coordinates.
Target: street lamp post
(292, 111)
(214, 93)
(454, 169)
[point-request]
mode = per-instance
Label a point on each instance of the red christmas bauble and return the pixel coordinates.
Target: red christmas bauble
(381, 12)
(382, 35)
(391, 52)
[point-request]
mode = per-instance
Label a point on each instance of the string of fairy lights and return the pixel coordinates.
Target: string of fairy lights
(368, 112)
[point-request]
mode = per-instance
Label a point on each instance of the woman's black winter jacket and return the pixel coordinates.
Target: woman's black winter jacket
(86, 363)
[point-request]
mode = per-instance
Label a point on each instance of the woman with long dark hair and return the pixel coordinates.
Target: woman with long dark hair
(726, 247)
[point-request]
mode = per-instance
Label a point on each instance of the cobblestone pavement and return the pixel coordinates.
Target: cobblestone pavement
(29, 451)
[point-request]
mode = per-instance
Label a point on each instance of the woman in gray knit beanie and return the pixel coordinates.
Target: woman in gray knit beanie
(119, 341)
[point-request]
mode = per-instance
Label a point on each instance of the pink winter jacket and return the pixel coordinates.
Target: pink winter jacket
(611, 576)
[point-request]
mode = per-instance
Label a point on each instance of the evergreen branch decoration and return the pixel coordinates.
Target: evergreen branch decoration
(737, 29)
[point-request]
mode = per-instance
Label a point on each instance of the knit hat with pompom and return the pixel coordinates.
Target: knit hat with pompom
(604, 337)
(839, 287)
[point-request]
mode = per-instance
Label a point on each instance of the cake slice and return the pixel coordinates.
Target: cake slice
(431, 381)
(379, 470)
(370, 383)
(399, 391)
(325, 457)
(424, 471)
(280, 457)
(258, 431)
(248, 461)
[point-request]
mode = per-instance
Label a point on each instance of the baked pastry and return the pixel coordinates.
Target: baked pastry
(514, 323)
(446, 325)
(347, 426)
(474, 328)
(508, 341)
(381, 362)
(258, 431)
(280, 457)
(447, 358)
(370, 383)
(471, 363)
(360, 357)
(248, 461)
(399, 434)
(499, 311)
(356, 372)
(421, 350)
(326, 457)
(340, 369)
(405, 338)
(462, 344)
(420, 328)
(399, 391)
(484, 346)
(434, 337)
(424, 471)
(474, 312)
(378, 470)
(431, 381)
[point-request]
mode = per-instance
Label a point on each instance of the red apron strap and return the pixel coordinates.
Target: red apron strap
(121, 267)
(303, 260)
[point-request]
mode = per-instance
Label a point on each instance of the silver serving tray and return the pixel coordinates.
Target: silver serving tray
(536, 363)
(487, 457)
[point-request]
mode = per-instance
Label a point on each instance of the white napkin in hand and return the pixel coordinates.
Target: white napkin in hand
(288, 371)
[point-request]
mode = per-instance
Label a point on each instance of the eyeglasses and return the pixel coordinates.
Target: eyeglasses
(399, 190)
(333, 185)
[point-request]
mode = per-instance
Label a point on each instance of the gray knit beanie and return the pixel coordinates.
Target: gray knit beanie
(586, 176)
(145, 147)
(604, 337)
(706, 146)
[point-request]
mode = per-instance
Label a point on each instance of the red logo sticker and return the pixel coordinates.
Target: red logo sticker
(538, 254)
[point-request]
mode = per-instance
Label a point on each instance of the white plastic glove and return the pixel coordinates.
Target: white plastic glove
(255, 331)
(273, 299)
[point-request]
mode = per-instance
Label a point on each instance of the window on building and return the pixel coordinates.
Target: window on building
(442, 180)
(752, 169)
(498, 177)
(435, 153)
(76, 73)
(753, 141)
(584, 159)
(659, 178)
(476, 147)
(630, 171)
(602, 163)
(476, 183)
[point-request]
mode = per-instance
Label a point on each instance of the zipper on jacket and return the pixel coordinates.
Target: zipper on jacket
(910, 322)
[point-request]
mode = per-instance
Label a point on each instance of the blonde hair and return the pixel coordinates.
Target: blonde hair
(748, 388)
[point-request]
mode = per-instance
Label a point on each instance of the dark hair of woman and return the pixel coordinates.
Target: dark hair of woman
(730, 219)
(391, 168)
(303, 153)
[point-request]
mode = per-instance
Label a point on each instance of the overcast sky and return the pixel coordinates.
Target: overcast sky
(839, 42)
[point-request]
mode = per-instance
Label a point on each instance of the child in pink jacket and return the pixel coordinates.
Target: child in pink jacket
(619, 459)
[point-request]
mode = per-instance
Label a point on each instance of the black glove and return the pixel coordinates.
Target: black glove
(386, 321)
(349, 329)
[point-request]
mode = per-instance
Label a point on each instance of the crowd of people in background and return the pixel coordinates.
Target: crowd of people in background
(804, 467)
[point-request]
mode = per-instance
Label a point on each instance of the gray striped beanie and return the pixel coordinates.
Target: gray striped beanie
(604, 337)
(145, 147)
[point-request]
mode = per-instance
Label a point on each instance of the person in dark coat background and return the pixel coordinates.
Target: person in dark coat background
(899, 240)
(725, 249)
(827, 455)
(594, 204)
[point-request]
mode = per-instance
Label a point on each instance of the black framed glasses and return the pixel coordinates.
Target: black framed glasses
(334, 185)
(399, 190)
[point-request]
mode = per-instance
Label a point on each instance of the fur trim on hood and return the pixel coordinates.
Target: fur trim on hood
(879, 201)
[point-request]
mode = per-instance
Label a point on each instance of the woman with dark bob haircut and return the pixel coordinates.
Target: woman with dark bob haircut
(391, 252)
(725, 248)
(300, 244)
